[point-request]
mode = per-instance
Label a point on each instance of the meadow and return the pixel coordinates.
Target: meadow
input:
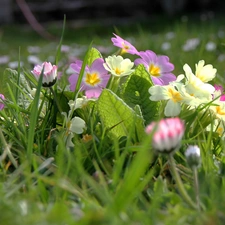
(75, 152)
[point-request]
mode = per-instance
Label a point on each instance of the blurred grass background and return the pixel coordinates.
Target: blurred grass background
(162, 34)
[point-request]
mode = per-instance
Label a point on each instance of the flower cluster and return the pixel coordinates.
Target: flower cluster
(96, 76)
(190, 88)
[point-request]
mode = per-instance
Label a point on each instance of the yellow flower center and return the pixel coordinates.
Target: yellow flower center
(118, 71)
(92, 79)
(219, 110)
(125, 48)
(174, 95)
(154, 70)
(219, 130)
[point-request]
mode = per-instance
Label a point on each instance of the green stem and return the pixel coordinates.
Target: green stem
(55, 99)
(195, 171)
(179, 183)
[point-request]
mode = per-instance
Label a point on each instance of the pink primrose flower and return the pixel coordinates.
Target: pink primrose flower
(167, 134)
(95, 78)
(49, 73)
(220, 89)
(158, 67)
(2, 105)
(126, 46)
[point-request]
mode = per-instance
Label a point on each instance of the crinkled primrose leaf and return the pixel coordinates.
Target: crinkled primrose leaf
(118, 117)
(135, 92)
(92, 55)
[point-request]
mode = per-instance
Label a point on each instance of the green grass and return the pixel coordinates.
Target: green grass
(111, 175)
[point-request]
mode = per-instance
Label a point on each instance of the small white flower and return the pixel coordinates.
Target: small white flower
(165, 46)
(118, 66)
(191, 44)
(210, 46)
(77, 125)
(33, 59)
(170, 35)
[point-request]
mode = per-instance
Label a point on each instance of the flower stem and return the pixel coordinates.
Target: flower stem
(179, 183)
(55, 99)
(196, 187)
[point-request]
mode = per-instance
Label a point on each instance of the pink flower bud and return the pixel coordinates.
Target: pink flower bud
(49, 73)
(167, 134)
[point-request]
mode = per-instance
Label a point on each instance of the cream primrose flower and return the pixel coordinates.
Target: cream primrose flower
(218, 106)
(196, 87)
(175, 93)
(205, 73)
(80, 102)
(218, 127)
(118, 66)
(76, 125)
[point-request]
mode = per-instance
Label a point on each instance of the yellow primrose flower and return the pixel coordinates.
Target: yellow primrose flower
(205, 72)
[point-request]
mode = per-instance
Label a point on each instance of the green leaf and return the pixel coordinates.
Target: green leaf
(135, 92)
(92, 55)
(118, 117)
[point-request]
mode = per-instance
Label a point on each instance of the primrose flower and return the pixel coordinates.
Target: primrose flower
(126, 46)
(49, 73)
(94, 79)
(118, 66)
(196, 87)
(2, 105)
(193, 155)
(219, 92)
(175, 94)
(158, 67)
(205, 73)
(167, 134)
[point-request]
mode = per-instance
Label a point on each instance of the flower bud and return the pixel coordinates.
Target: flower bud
(193, 155)
(49, 73)
(167, 134)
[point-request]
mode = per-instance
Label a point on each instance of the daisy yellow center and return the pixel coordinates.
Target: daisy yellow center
(92, 79)
(118, 71)
(174, 95)
(219, 110)
(154, 70)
